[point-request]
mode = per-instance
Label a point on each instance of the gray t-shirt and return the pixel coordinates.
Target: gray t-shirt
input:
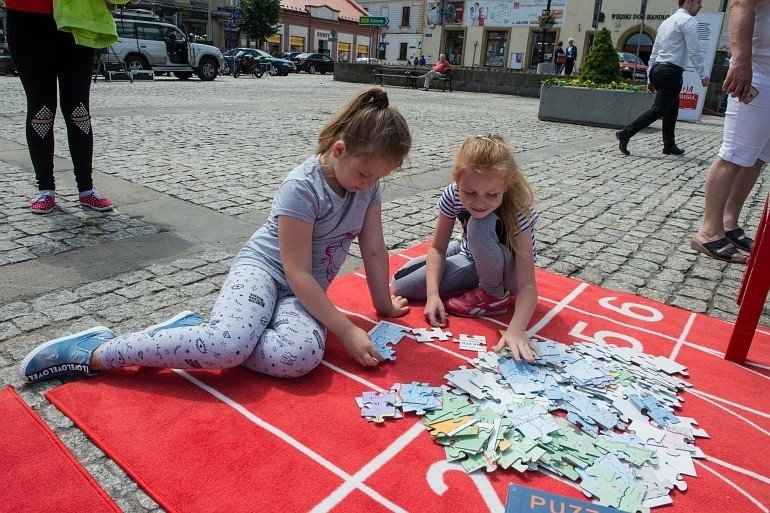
(305, 195)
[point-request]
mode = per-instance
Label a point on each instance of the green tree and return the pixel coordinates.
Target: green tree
(601, 66)
(260, 18)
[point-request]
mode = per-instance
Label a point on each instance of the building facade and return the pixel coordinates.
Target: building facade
(506, 35)
(494, 34)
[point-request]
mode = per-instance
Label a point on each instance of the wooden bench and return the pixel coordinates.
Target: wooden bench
(409, 76)
(445, 79)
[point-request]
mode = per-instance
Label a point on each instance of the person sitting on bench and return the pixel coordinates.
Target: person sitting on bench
(441, 67)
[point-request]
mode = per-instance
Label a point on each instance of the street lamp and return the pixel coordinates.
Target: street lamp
(545, 28)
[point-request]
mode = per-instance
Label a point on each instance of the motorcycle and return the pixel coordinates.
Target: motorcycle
(245, 64)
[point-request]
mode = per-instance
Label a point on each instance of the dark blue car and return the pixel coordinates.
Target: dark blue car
(7, 67)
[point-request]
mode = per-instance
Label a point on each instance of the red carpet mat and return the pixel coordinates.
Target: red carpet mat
(37, 472)
(237, 441)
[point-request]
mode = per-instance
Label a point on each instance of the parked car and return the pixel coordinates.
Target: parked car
(312, 62)
(162, 47)
(631, 66)
(7, 67)
(289, 56)
(368, 60)
(280, 66)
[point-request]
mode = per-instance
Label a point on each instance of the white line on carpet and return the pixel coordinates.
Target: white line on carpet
(740, 490)
(357, 480)
(328, 465)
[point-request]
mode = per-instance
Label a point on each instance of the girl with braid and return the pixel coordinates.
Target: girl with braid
(272, 312)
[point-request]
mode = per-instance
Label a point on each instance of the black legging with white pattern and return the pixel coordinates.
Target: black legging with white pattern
(45, 57)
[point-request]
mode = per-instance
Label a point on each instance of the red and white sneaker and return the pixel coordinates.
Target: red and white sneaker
(43, 203)
(96, 201)
(477, 303)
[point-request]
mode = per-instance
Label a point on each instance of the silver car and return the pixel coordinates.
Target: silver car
(162, 47)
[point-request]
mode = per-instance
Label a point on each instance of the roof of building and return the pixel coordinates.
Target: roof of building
(348, 9)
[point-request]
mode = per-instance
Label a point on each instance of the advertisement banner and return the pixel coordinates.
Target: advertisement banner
(693, 94)
(490, 13)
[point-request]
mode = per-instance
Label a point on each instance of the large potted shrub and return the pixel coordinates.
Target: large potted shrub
(599, 97)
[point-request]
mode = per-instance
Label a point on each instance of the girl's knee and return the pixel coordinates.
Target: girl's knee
(409, 281)
(287, 356)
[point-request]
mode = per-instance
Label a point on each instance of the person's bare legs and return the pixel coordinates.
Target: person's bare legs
(719, 185)
(744, 183)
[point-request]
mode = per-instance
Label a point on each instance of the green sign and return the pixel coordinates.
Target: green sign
(373, 21)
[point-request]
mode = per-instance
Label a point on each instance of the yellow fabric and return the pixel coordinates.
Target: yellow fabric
(90, 21)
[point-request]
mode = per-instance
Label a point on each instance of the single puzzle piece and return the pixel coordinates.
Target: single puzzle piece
(453, 407)
(653, 408)
(661, 363)
(429, 335)
(533, 421)
(472, 342)
(384, 333)
(673, 443)
(377, 406)
(416, 397)
(614, 484)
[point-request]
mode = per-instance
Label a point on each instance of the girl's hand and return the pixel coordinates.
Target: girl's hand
(398, 306)
(434, 312)
(519, 344)
(359, 346)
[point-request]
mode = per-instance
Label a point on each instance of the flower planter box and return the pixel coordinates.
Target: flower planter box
(608, 108)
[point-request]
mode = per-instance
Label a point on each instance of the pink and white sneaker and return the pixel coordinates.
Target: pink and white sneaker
(43, 203)
(96, 201)
(477, 303)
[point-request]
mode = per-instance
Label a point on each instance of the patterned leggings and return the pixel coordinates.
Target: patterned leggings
(255, 323)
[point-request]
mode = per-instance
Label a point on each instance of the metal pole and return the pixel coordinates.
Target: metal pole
(642, 15)
(541, 58)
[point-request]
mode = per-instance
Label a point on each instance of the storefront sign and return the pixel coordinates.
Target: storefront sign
(297, 41)
(636, 16)
(506, 13)
(275, 39)
(693, 93)
(362, 49)
(373, 21)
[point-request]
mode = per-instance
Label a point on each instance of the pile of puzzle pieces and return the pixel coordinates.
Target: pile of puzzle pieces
(597, 414)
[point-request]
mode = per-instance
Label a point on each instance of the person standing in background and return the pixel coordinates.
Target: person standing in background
(746, 139)
(558, 58)
(570, 56)
(675, 45)
(46, 57)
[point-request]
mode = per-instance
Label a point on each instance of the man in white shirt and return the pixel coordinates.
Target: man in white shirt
(746, 139)
(675, 45)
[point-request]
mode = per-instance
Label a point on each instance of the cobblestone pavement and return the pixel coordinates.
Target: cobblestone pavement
(192, 167)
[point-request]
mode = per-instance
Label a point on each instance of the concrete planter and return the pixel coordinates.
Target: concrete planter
(594, 107)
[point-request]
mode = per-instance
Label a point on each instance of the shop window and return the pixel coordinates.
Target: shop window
(454, 46)
(402, 50)
(541, 52)
(497, 43)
